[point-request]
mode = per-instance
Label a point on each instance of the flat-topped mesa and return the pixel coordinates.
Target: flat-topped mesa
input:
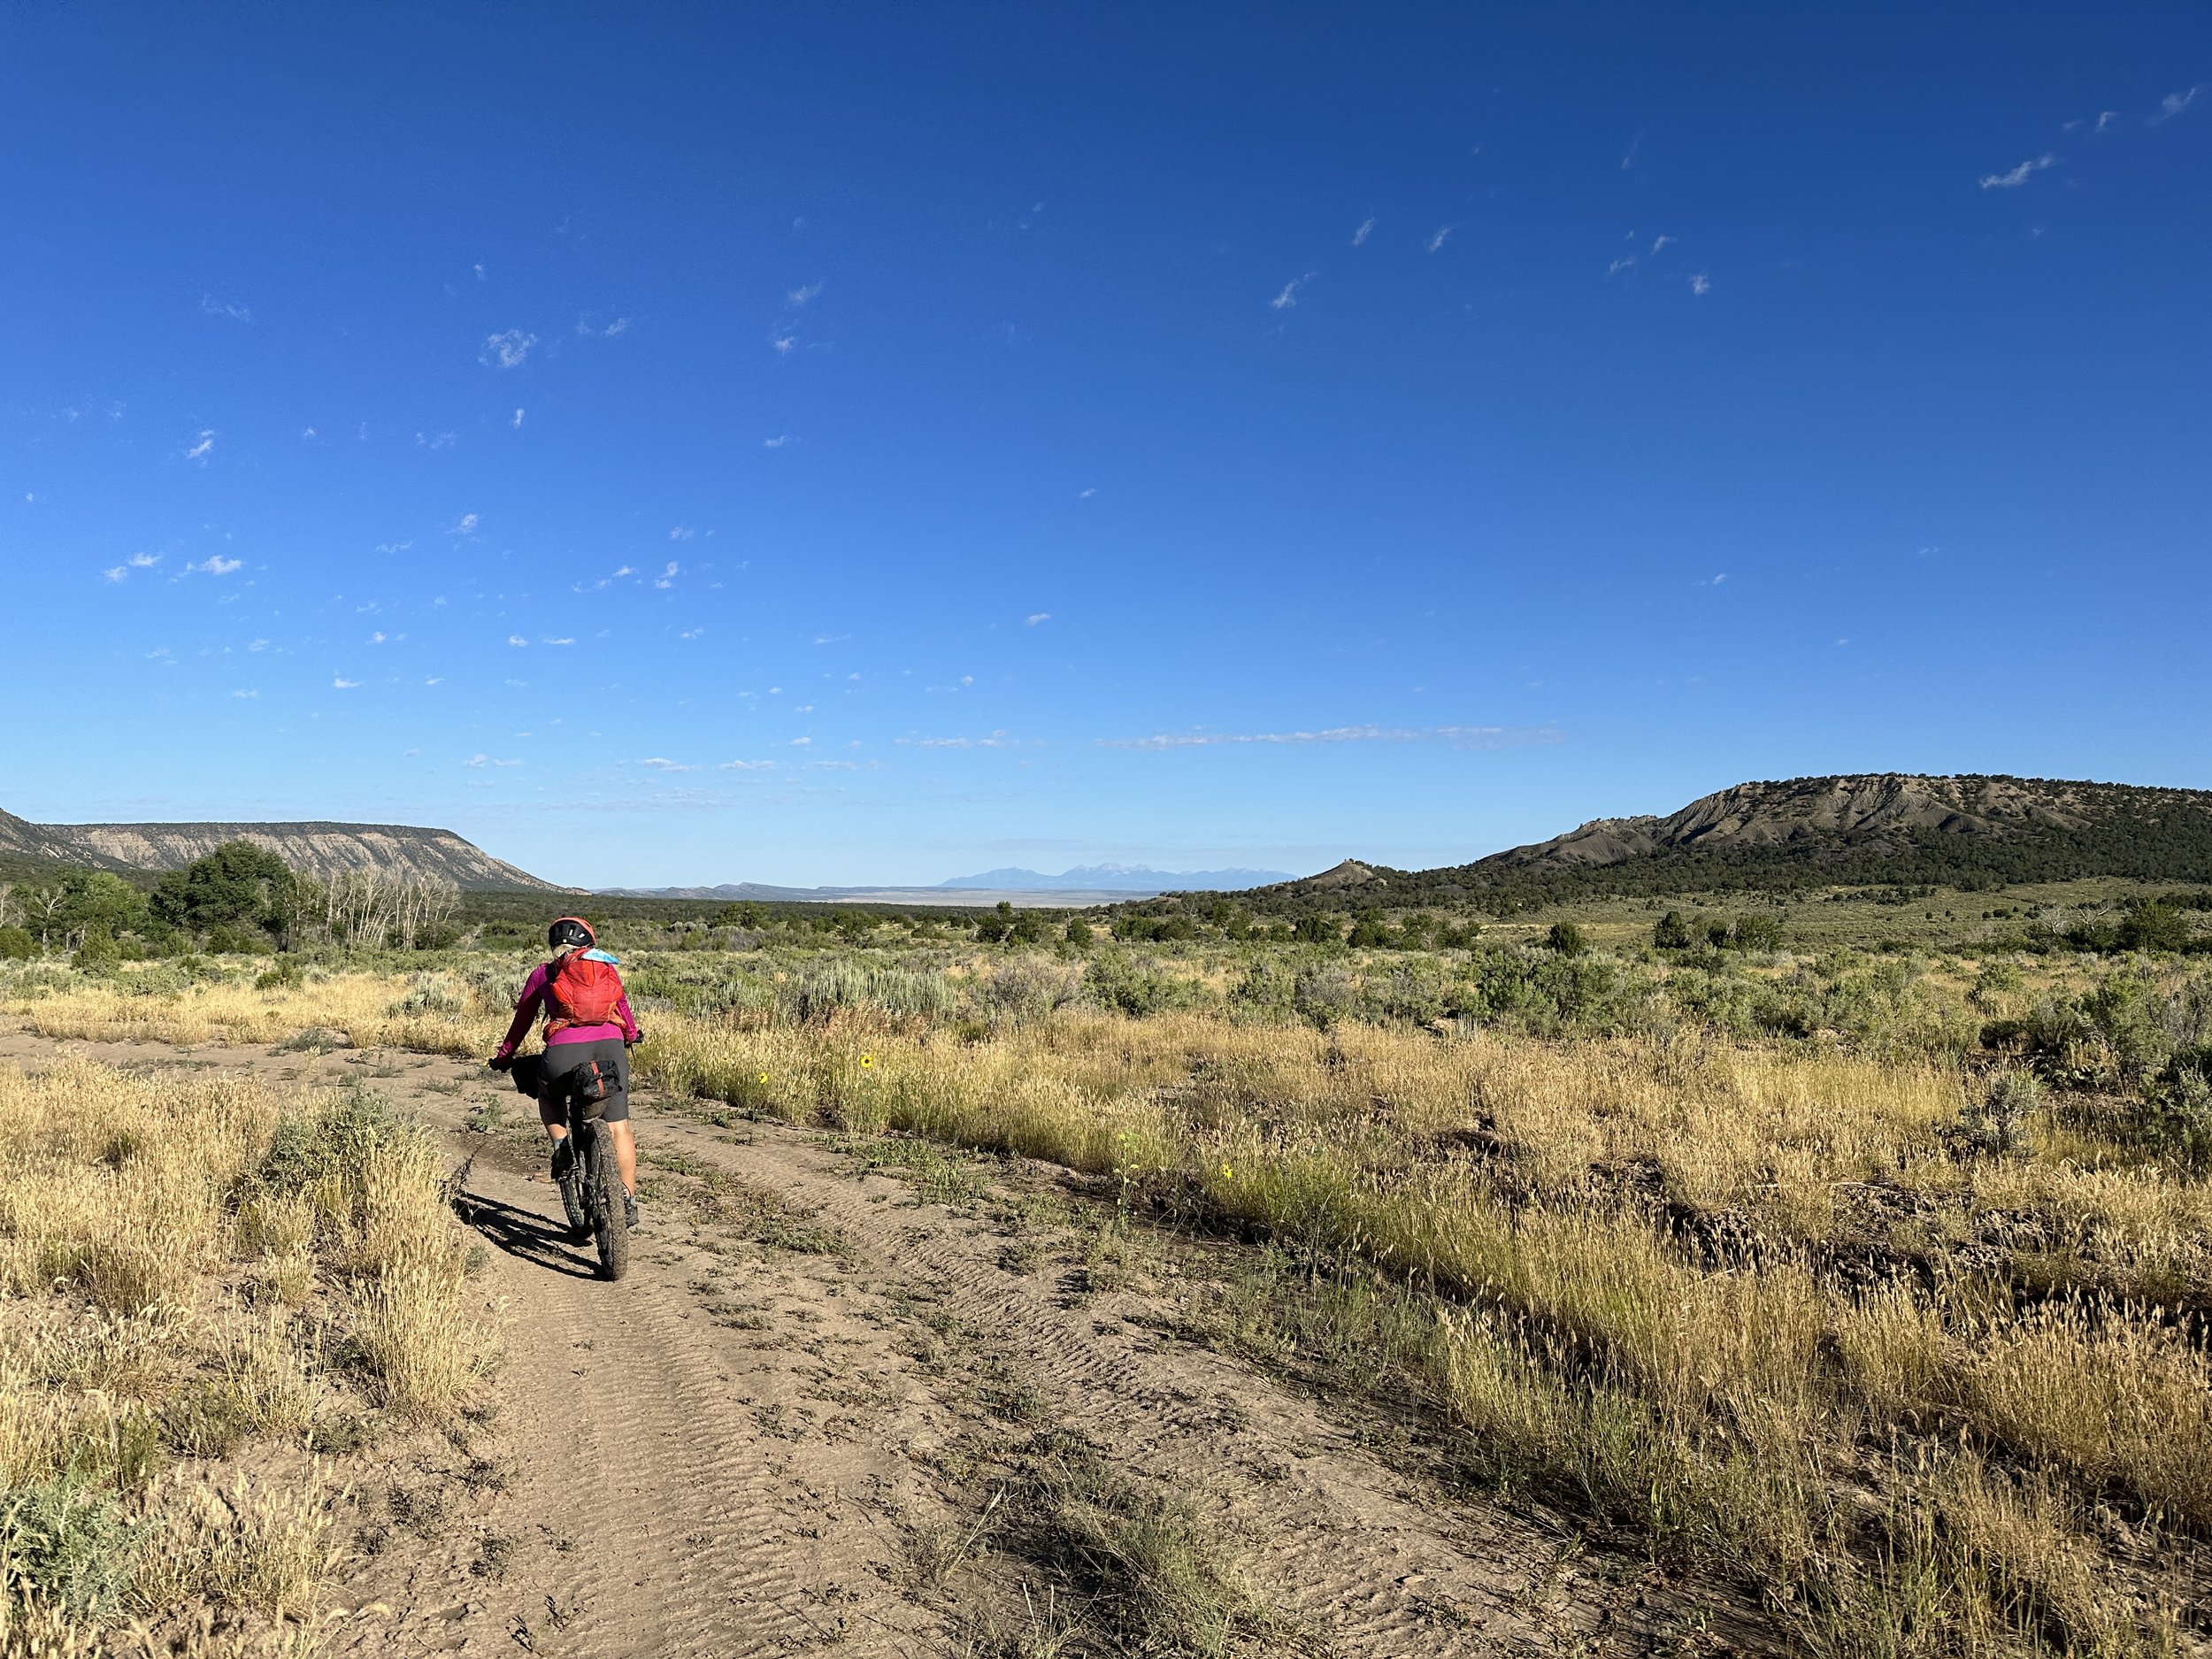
(320, 849)
(1870, 828)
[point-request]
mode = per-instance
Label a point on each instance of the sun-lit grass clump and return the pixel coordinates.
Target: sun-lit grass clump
(206, 1289)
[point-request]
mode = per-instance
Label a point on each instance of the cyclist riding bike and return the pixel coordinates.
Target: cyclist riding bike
(588, 1022)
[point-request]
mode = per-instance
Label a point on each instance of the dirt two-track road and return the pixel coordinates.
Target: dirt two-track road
(802, 1421)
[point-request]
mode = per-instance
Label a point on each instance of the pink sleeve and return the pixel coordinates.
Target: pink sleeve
(624, 1017)
(526, 1010)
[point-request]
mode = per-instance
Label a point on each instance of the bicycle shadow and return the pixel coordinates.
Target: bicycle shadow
(527, 1237)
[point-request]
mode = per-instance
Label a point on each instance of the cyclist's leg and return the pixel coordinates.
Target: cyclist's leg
(625, 1154)
(616, 1116)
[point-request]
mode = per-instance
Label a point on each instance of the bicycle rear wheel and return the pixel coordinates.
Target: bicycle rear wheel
(610, 1219)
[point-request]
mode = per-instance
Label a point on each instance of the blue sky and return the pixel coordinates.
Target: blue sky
(867, 443)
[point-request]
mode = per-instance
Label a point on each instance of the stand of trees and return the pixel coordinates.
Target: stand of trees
(239, 897)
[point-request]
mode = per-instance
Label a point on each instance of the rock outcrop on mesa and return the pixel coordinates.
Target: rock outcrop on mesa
(1837, 812)
(319, 849)
(1799, 834)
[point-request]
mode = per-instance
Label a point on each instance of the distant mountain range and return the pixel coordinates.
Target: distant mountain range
(1120, 878)
(318, 850)
(1863, 830)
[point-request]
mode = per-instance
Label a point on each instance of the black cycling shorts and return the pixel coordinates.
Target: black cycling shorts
(561, 1058)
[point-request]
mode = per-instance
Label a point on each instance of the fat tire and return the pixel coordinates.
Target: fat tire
(572, 1185)
(609, 1221)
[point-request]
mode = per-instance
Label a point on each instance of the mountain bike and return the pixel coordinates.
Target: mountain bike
(590, 1184)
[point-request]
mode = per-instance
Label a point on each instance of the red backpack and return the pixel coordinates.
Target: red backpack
(581, 992)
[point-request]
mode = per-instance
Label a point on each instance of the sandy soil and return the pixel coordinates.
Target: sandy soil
(745, 1448)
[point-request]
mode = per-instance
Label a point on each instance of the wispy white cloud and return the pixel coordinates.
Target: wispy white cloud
(1041, 616)
(1626, 261)
(308, 433)
(802, 742)
(518, 420)
(388, 547)
(506, 350)
(1462, 736)
(1085, 494)
(784, 343)
(214, 307)
(136, 562)
(442, 441)
(619, 326)
(747, 765)
(1660, 243)
(1287, 300)
(776, 442)
(661, 762)
(1443, 236)
(997, 740)
(199, 451)
(467, 527)
(516, 639)
(339, 682)
(2173, 104)
(667, 578)
(1700, 284)
(556, 641)
(2020, 175)
(682, 533)
(799, 296)
(479, 272)
(1365, 230)
(245, 696)
(2105, 118)
(216, 565)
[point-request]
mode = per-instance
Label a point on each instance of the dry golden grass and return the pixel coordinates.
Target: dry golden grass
(1632, 1247)
(141, 1220)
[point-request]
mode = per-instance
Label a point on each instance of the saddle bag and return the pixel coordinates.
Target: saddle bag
(590, 1084)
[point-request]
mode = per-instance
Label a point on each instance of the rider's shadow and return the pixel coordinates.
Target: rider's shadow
(527, 1237)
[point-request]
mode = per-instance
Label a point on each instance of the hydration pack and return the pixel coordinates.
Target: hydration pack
(582, 991)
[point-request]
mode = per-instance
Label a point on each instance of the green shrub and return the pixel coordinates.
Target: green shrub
(307, 1147)
(1756, 932)
(1135, 987)
(1268, 989)
(16, 945)
(1672, 932)
(1996, 1126)
(1567, 939)
(1327, 995)
(69, 1546)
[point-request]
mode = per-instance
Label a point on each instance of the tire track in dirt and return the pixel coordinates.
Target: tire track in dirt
(1336, 1538)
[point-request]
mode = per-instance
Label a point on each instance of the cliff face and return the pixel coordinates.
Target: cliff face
(318, 849)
